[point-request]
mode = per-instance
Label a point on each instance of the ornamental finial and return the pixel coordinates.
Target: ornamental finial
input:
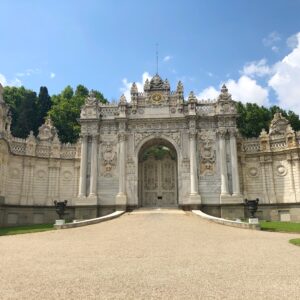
(192, 98)
(134, 89)
(123, 99)
(224, 89)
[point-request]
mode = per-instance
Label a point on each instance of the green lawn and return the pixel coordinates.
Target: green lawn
(280, 226)
(25, 229)
(295, 242)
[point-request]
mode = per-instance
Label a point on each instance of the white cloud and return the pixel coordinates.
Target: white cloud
(292, 41)
(275, 49)
(271, 39)
(208, 93)
(256, 68)
(52, 75)
(28, 72)
(125, 89)
(286, 79)
(3, 80)
(13, 82)
(167, 58)
(245, 89)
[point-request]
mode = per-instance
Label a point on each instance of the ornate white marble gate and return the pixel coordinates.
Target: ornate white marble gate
(158, 182)
(201, 135)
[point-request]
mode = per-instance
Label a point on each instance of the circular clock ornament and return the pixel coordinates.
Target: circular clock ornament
(156, 98)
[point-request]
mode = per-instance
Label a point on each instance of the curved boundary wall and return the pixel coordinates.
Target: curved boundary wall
(238, 224)
(75, 224)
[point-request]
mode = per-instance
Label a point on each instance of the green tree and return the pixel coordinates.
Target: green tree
(23, 106)
(43, 106)
(26, 119)
(253, 118)
(65, 111)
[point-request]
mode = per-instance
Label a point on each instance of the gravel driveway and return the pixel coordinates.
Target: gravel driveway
(168, 255)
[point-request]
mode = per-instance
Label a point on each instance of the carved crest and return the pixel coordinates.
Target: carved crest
(278, 126)
(47, 131)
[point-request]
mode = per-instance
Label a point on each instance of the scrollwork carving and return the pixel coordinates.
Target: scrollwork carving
(109, 159)
(207, 154)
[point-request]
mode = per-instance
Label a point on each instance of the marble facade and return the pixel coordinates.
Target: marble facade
(215, 168)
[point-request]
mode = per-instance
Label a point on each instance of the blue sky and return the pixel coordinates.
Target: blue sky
(252, 46)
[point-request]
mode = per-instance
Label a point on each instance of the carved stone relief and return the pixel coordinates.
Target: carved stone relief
(41, 174)
(15, 173)
(109, 160)
(175, 136)
(252, 171)
(281, 170)
(130, 166)
(207, 153)
(67, 175)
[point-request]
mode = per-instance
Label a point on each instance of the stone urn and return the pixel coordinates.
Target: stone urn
(252, 206)
(60, 207)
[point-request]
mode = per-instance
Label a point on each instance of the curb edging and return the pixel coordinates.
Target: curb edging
(221, 221)
(111, 216)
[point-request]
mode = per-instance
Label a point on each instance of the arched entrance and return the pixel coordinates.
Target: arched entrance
(158, 174)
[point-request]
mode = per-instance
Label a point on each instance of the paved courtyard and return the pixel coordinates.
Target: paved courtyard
(171, 255)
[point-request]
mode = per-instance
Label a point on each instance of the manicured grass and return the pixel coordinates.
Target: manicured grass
(295, 242)
(25, 229)
(280, 226)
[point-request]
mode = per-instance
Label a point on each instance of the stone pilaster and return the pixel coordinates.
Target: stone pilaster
(26, 192)
(225, 197)
(195, 197)
(53, 181)
(268, 178)
(121, 198)
(83, 167)
(292, 179)
(94, 162)
(234, 165)
(223, 164)
(264, 181)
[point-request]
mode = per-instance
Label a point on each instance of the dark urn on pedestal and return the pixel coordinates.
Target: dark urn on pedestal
(252, 206)
(60, 208)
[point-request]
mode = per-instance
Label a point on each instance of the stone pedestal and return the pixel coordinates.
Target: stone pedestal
(59, 222)
(121, 201)
(194, 199)
(253, 221)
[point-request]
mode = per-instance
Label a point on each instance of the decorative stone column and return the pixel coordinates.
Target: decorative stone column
(93, 180)
(264, 180)
(193, 165)
(223, 164)
(292, 179)
(121, 198)
(234, 165)
(27, 180)
(83, 167)
(195, 198)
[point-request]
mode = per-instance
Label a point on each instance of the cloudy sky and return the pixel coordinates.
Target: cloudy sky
(252, 46)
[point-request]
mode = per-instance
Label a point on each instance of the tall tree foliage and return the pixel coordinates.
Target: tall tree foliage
(23, 106)
(253, 118)
(43, 105)
(65, 111)
(29, 112)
